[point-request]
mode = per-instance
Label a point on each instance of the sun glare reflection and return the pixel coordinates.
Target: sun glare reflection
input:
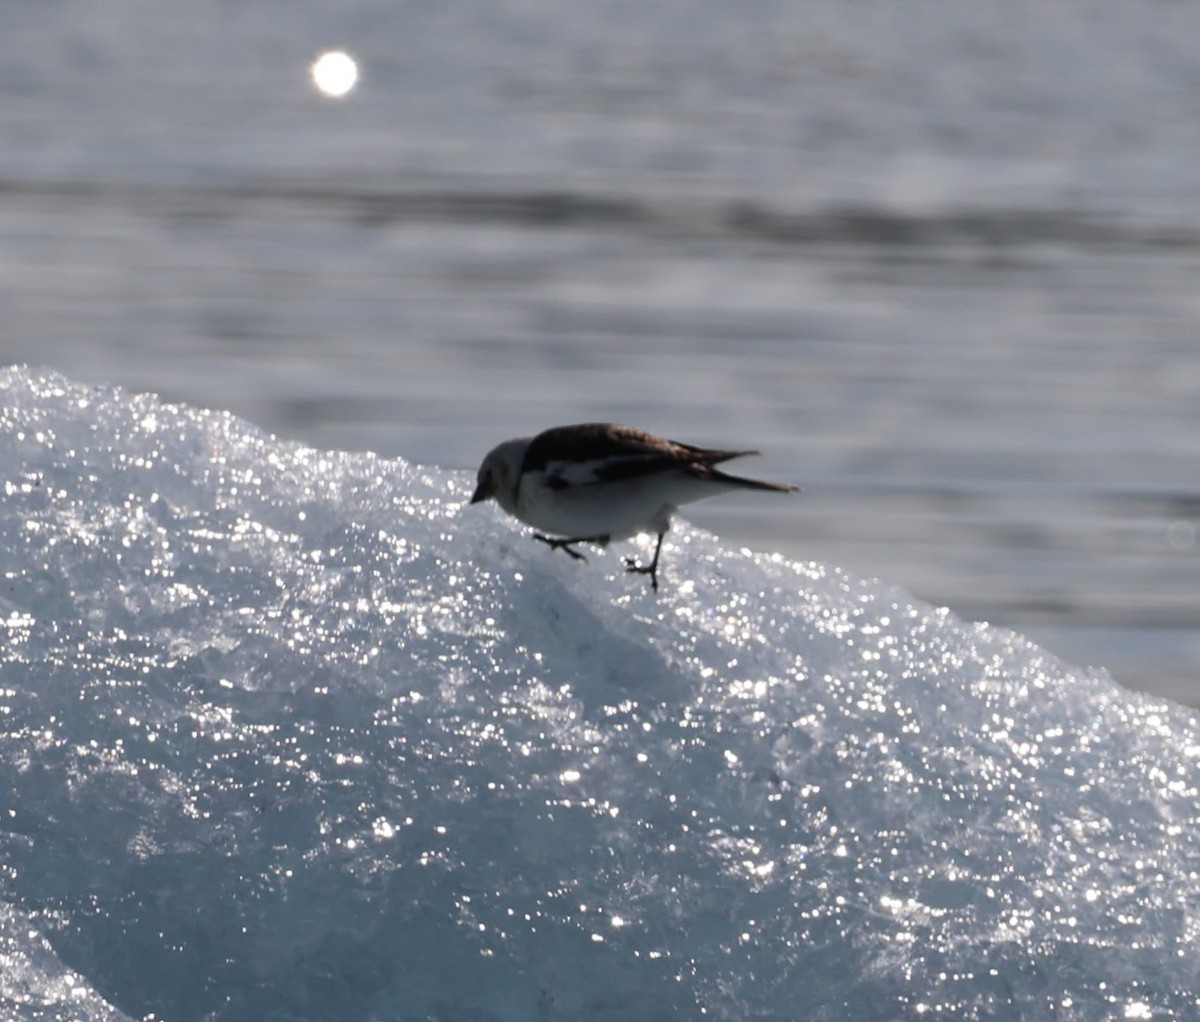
(334, 73)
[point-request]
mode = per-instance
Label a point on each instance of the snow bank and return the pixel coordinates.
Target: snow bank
(294, 735)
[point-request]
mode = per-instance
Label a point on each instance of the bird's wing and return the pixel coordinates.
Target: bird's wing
(599, 452)
(610, 469)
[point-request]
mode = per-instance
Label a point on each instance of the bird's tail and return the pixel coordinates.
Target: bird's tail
(718, 476)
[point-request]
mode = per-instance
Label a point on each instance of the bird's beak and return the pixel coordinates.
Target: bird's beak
(483, 491)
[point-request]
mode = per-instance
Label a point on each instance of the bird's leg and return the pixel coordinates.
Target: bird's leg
(650, 569)
(566, 544)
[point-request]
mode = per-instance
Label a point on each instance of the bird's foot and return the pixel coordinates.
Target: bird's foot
(651, 569)
(567, 544)
(632, 567)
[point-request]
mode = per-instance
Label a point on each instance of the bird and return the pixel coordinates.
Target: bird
(596, 482)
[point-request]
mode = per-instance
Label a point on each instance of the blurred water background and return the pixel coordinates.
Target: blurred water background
(938, 261)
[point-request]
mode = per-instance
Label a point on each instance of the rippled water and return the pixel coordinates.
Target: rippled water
(938, 264)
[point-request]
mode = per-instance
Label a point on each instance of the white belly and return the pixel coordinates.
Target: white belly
(617, 510)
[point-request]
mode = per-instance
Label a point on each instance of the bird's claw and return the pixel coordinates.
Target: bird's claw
(564, 545)
(632, 567)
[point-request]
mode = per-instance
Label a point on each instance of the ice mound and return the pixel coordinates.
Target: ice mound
(292, 735)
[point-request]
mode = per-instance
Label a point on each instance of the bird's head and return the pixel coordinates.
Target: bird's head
(500, 474)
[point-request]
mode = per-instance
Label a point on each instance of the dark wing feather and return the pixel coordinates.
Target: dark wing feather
(708, 472)
(633, 452)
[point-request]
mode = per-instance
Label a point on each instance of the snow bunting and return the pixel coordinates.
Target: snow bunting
(598, 481)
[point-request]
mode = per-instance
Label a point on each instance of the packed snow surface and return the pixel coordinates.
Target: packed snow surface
(289, 734)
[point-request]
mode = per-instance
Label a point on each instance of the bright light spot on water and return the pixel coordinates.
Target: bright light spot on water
(1181, 535)
(334, 73)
